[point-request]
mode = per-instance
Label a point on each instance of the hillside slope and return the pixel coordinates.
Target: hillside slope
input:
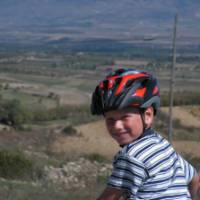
(121, 18)
(95, 139)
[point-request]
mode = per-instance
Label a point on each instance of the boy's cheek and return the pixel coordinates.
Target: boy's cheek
(109, 129)
(111, 133)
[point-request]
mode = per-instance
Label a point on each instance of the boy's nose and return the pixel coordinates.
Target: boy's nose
(118, 125)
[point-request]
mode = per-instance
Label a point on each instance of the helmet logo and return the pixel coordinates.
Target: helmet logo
(110, 84)
(155, 90)
(125, 80)
(140, 92)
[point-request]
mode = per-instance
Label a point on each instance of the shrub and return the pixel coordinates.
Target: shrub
(181, 98)
(102, 179)
(74, 114)
(13, 113)
(14, 165)
(70, 131)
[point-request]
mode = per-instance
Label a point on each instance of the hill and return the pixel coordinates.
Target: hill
(42, 21)
(97, 14)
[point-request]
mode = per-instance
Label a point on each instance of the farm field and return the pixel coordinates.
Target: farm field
(61, 136)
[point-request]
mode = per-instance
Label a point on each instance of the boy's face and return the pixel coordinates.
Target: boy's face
(124, 125)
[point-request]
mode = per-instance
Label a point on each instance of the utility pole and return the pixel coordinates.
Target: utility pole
(171, 95)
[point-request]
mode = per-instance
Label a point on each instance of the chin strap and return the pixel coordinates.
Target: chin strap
(143, 121)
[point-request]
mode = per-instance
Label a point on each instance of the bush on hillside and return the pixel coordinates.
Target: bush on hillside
(14, 165)
(70, 131)
(13, 113)
(73, 114)
(181, 98)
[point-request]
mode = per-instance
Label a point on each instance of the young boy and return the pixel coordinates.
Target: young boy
(147, 167)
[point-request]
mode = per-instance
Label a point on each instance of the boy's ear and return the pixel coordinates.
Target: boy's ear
(148, 116)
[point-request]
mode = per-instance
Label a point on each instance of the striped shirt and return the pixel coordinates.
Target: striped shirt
(150, 169)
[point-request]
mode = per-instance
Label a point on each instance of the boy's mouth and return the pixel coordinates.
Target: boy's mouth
(120, 135)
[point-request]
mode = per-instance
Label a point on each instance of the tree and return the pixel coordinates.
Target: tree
(13, 113)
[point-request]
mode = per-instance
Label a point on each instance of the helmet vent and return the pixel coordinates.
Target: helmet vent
(129, 83)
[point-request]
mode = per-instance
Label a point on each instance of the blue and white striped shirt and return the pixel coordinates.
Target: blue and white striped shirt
(150, 169)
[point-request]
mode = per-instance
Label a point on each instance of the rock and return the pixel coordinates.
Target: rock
(77, 173)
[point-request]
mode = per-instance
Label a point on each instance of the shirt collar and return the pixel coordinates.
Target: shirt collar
(147, 132)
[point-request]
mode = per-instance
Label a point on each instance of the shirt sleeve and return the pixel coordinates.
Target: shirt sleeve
(188, 169)
(128, 173)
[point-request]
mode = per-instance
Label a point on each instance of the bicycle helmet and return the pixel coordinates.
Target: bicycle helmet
(124, 88)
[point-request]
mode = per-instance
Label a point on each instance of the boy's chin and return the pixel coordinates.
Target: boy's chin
(125, 141)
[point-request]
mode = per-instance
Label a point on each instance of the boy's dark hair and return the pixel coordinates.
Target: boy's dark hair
(124, 88)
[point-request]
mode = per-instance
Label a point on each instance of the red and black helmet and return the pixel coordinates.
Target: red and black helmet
(124, 88)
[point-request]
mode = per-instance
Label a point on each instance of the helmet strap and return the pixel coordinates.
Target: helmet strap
(143, 120)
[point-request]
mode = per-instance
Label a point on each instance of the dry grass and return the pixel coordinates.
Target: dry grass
(185, 116)
(131, 62)
(188, 147)
(94, 139)
(194, 110)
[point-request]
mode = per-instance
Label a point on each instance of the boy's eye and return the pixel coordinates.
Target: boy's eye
(110, 121)
(125, 117)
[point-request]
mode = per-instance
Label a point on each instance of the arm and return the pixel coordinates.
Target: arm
(111, 194)
(194, 186)
(192, 177)
(127, 176)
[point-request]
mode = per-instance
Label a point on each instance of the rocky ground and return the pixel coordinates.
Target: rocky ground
(77, 174)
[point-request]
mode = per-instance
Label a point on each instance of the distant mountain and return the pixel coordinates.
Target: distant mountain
(52, 20)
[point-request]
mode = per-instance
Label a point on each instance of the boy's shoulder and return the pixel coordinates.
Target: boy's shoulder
(149, 144)
(149, 138)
